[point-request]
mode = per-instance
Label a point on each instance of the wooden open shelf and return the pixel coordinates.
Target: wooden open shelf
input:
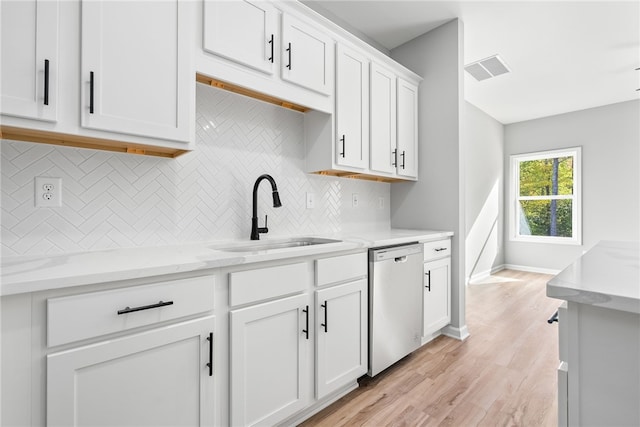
(355, 175)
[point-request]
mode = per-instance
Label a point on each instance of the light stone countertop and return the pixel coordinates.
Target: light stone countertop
(24, 274)
(608, 275)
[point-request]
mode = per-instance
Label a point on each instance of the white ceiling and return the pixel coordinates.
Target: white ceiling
(563, 55)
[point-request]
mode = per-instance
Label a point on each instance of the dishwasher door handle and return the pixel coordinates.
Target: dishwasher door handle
(400, 259)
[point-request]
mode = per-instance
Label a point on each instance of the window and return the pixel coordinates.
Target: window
(545, 195)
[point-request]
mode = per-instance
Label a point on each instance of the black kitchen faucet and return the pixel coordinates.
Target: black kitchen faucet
(255, 230)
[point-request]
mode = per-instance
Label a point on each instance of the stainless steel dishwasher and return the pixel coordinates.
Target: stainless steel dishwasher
(395, 304)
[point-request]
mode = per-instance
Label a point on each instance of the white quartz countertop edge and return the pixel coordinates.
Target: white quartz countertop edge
(608, 276)
(38, 273)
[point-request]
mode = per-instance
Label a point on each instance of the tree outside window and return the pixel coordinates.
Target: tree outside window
(546, 196)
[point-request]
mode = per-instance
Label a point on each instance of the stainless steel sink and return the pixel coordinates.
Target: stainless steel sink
(270, 245)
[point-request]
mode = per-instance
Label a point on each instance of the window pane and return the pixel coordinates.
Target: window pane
(546, 218)
(546, 177)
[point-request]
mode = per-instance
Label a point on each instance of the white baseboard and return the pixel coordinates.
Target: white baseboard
(461, 333)
(484, 274)
(531, 269)
(326, 401)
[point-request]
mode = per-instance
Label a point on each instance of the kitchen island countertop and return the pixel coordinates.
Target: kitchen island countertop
(608, 276)
(23, 274)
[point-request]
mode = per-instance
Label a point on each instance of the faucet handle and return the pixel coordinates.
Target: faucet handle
(265, 221)
(263, 229)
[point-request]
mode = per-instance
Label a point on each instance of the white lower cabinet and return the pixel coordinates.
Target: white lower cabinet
(269, 347)
(341, 343)
(437, 288)
(155, 378)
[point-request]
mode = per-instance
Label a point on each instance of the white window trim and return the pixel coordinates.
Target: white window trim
(514, 218)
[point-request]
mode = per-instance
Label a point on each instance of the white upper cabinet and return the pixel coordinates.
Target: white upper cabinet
(136, 70)
(383, 153)
(407, 164)
(306, 55)
(352, 108)
(29, 58)
(243, 31)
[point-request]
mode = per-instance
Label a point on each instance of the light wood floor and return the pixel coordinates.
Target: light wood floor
(504, 374)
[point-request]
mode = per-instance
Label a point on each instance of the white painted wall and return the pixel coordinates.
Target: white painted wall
(484, 193)
(437, 200)
(610, 141)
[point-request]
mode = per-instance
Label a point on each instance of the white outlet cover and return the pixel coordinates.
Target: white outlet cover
(311, 201)
(355, 200)
(45, 196)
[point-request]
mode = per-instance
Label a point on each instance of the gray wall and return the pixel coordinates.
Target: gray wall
(610, 140)
(484, 193)
(436, 201)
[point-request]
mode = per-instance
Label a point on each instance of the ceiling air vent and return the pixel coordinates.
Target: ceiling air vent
(487, 68)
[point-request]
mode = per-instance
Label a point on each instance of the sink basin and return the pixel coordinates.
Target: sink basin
(269, 245)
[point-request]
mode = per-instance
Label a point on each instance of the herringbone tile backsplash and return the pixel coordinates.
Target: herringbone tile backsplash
(113, 200)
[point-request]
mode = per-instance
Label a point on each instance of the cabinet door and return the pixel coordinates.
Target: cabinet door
(269, 376)
(341, 325)
(307, 55)
(437, 295)
(352, 108)
(155, 378)
(243, 31)
(29, 61)
(383, 120)
(407, 129)
(136, 68)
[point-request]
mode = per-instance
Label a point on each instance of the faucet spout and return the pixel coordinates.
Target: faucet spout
(255, 230)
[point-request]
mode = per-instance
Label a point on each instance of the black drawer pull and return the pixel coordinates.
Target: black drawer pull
(428, 286)
(402, 159)
(342, 140)
(46, 82)
(144, 307)
(395, 158)
(553, 318)
(440, 249)
(210, 364)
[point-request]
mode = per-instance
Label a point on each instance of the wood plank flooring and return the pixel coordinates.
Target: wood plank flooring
(504, 374)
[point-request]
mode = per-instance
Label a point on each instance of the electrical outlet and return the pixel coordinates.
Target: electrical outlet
(355, 200)
(380, 202)
(48, 192)
(311, 201)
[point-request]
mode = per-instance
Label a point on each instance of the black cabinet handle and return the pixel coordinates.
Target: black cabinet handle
(395, 158)
(91, 92)
(144, 307)
(210, 364)
(306, 330)
(342, 140)
(325, 315)
(271, 43)
(553, 318)
(46, 82)
(289, 50)
(428, 286)
(402, 159)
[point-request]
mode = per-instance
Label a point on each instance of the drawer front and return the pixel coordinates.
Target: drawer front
(340, 268)
(251, 286)
(93, 314)
(437, 249)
